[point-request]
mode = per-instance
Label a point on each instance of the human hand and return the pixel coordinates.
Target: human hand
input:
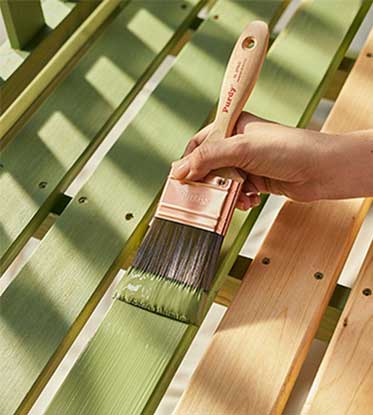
(303, 165)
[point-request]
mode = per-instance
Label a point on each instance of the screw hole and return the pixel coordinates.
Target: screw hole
(318, 275)
(82, 200)
(215, 17)
(129, 216)
(369, 55)
(266, 261)
(1, 165)
(184, 6)
(43, 185)
(367, 292)
(249, 43)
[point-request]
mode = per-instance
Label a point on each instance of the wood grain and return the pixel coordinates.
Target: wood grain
(263, 339)
(173, 113)
(344, 383)
(107, 78)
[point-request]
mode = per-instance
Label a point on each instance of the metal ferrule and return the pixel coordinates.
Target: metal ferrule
(208, 204)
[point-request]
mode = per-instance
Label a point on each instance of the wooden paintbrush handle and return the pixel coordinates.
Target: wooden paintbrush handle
(240, 76)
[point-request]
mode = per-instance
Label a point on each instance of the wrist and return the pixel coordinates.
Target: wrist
(347, 166)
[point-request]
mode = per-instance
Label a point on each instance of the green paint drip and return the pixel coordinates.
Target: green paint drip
(162, 296)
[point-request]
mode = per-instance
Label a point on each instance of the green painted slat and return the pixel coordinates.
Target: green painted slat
(67, 128)
(69, 267)
(130, 361)
(19, 68)
(23, 20)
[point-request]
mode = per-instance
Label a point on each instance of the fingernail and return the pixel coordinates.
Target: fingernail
(240, 205)
(180, 168)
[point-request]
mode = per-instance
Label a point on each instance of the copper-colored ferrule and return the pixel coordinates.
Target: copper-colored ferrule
(208, 204)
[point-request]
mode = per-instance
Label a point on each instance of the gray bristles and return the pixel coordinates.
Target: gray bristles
(180, 253)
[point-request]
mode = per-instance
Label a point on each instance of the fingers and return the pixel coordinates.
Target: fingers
(248, 200)
(197, 139)
(211, 156)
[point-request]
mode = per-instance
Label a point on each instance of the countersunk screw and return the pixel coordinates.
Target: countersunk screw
(83, 199)
(266, 261)
(367, 292)
(129, 216)
(369, 55)
(318, 275)
(43, 185)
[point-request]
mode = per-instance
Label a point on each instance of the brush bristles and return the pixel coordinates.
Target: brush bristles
(173, 269)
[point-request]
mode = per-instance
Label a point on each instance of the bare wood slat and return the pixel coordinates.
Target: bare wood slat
(265, 335)
(344, 383)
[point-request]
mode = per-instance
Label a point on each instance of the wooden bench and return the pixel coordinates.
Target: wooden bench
(61, 109)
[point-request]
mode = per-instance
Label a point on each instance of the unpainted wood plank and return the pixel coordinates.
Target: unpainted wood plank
(80, 112)
(329, 320)
(264, 337)
(344, 382)
(23, 20)
(141, 391)
(19, 68)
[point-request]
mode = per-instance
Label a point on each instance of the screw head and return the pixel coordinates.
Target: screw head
(216, 17)
(369, 55)
(318, 275)
(43, 185)
(1, 165)
(129, 216)
(266, 261)
(82, 200)
(367, 292)
(222, 181)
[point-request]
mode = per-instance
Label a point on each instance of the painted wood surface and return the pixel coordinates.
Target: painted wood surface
(264, 337)
(18, 68)
(175, 110)
(60, 130)
(344, 383)
(23, 20)
(63, 133)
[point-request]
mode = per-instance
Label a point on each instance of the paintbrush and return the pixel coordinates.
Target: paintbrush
(177, 260)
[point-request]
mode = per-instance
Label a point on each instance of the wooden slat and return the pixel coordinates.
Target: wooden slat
(76, 260)
(19, 68)
(130, 362)
(80, 112)
(231, 286)
(344, 382)
(264, 337)
(23, 20)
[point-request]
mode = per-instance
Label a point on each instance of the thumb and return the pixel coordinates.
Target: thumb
(209, 156)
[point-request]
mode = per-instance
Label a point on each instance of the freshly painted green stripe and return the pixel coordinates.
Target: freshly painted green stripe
(131, 360)
(67, 128)
(19, 68)
(23, 20)
(61, 130)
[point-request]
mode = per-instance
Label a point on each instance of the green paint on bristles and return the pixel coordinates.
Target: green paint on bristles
(173, 271)
(163, 296)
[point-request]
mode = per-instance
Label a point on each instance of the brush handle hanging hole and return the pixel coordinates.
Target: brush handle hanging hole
(249, 43)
